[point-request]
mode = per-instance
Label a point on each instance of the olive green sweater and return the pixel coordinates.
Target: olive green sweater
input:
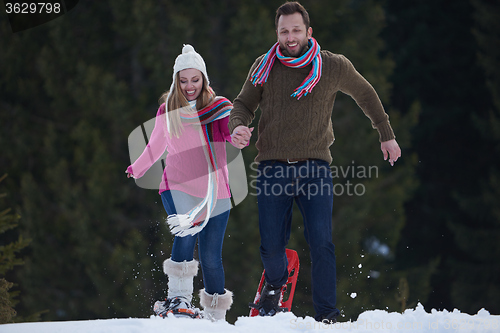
(296, 129)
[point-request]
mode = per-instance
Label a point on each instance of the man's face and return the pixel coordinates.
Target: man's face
(292, 33)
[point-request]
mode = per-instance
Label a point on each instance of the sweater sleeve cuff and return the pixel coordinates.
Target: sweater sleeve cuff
(385, 132)
(233, 123)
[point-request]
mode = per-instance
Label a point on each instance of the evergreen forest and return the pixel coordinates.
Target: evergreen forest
(78, 240)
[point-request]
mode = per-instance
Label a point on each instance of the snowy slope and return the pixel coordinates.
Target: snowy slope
(412, 320)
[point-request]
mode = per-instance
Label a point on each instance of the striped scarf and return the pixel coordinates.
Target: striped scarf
(261, 73)
(195, 220)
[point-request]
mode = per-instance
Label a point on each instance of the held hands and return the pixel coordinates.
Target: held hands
(390, 149)
(241, 136)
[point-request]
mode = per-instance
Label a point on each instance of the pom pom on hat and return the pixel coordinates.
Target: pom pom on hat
(187, 48)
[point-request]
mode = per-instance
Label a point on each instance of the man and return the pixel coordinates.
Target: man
(296, 94)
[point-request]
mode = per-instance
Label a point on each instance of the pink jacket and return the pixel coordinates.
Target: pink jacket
(186, 167)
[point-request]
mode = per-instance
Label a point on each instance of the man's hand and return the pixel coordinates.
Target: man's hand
(241, 136)
(391, 149)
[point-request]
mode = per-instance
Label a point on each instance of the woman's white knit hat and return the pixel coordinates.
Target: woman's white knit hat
(189, 58)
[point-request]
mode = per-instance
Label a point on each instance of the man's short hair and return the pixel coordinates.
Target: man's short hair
(289, 8)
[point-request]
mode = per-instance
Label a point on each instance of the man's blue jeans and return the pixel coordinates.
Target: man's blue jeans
(309, 184)
(210, 241)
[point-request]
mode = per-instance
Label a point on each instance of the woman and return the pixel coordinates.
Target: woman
(191, 124)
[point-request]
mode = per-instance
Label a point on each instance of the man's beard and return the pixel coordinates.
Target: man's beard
(298, 51)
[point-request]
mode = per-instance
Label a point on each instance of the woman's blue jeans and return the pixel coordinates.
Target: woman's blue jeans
(309, 184)
(210, 241)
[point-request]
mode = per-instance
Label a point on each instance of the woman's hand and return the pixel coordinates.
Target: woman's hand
(241, 136)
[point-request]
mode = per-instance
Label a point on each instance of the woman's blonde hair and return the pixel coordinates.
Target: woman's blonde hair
(177, 102)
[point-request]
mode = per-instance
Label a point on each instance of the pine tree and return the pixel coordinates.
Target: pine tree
(89, 256)
(477, 275)
(9, 259)
(451, 220)
(7, 311)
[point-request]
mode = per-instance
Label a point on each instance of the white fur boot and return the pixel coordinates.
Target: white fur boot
(180, 278)
(215, 306)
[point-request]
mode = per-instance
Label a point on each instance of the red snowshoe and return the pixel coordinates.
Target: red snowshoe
(287, 291)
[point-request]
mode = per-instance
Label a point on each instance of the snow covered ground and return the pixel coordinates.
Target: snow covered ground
(412, 320)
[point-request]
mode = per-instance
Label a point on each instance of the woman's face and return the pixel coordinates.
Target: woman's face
(191, 82)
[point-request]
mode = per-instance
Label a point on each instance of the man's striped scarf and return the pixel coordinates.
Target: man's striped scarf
(261, 73)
